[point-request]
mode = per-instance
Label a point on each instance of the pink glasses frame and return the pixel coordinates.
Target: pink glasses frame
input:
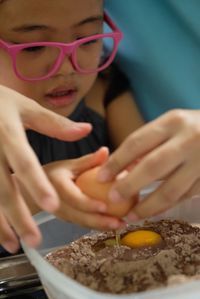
(66, 49)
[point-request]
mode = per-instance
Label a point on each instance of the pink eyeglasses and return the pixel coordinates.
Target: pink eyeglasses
(41, 60)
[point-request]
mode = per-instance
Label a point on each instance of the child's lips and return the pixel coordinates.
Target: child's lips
(59, 98)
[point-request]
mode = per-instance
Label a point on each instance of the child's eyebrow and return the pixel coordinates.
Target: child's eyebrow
(90, 20)
(41, 27)
(30, 27)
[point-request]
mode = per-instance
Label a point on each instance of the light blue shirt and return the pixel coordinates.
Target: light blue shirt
(160, 52)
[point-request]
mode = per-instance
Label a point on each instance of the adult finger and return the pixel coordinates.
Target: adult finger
(16, 211)
(20, 218)
(154, 166)
(194, 191)
(8, 238)
(27, 167)
(47, 122)
(143, 141)
(134, 147)
(168, 194)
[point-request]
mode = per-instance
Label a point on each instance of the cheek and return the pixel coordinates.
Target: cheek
(8, 77)
(6, 70)
(86, 82)
(7, 74)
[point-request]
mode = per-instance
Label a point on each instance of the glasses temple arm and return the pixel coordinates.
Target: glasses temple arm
(109, 21)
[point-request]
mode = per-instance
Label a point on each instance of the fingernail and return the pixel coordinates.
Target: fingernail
(123, 225)
(114, 225)
(132, 217)
(50, 203)
(31, 240)
(80, 126)
(103, 175)
(114, 196)
(11, 246)
(102, 209)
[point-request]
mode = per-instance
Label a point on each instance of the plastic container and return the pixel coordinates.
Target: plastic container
(57, 233)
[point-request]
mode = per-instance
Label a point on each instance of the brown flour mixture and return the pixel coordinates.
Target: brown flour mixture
(121, 269)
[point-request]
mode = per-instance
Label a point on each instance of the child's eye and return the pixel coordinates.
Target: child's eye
(34, 49)
(93, 42)
(90, 42)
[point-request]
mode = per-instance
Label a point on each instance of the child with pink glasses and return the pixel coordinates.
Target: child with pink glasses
(51, 53)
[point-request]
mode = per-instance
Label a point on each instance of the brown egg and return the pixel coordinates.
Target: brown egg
(89, 185)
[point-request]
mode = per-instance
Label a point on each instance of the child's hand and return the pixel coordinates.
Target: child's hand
(170, 147)
(76, 206)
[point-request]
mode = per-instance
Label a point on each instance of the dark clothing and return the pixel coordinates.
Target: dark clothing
(50, 149)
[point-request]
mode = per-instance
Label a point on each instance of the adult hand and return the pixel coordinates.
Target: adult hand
(169, 147)
(16, 113)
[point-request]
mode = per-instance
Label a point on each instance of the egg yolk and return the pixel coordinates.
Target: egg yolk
(141, 238)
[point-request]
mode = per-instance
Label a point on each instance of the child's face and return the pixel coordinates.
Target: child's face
(23, 21)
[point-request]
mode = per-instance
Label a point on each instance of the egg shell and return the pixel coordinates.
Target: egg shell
(89, 185)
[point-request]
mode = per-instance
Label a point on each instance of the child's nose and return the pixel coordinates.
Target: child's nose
(66, 67)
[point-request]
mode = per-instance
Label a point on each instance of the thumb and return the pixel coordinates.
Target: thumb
(89, 161)
(49, 123)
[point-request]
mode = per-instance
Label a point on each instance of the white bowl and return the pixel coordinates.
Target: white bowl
(57, 233)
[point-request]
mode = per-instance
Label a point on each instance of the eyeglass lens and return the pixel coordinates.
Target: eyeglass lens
(38, 61)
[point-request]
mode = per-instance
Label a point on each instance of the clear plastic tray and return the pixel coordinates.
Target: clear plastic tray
(57, 233)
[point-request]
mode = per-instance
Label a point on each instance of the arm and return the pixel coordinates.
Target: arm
(110, 96)
(122, 118)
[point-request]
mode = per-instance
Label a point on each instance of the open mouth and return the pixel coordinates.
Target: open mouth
(62, 93)
(61, 97)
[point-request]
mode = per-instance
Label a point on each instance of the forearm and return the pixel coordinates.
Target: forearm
(123, 118)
